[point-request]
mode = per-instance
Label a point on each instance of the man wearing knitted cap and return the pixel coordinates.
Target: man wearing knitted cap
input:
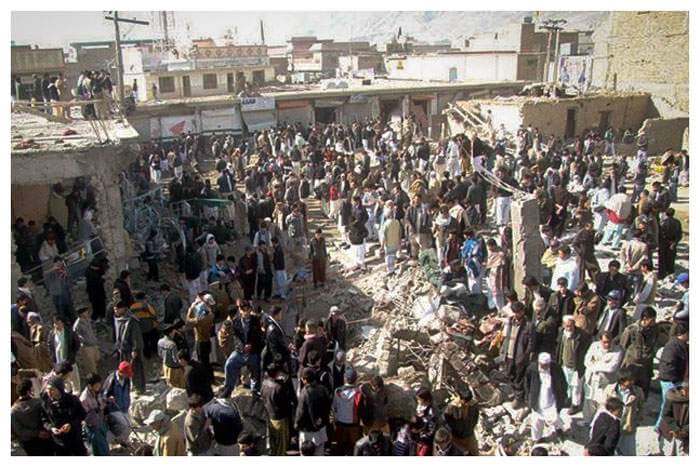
(546, 395)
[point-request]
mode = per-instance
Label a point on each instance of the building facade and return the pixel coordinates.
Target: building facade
(207, 71)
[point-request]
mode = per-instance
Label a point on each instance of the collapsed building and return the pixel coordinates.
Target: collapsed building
(46, 153)
(568, 117)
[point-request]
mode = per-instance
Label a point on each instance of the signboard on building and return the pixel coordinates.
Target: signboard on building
(358, 99)
(296, 104)
(230, 51)
(576, 70)
(221, 119)
(252, 104)
(170, 127)
(328, 103)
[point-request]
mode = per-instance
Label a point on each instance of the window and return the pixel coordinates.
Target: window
(166, 84)
(209, 81)
(230, 83)
(453, 74)
(258, 77)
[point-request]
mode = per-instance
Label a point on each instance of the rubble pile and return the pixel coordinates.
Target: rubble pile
(415, 338)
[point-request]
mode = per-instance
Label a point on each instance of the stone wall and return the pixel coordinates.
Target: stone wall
(645, 51)
(528, 246)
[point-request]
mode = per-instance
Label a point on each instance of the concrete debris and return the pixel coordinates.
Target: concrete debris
(176, 400)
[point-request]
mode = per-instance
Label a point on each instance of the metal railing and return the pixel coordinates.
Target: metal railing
(76, 260)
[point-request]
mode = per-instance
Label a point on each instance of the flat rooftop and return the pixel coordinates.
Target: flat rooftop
(521, 100)
(32, 133)
(355, 86)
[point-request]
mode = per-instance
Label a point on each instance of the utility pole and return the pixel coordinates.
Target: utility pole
(552, 26)
(545, 74)
(118, 46)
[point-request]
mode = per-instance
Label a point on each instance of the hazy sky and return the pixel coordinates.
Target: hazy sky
(32, 27)
(58, 29)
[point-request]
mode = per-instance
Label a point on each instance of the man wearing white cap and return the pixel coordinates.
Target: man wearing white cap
(546, 395)
(335, 328)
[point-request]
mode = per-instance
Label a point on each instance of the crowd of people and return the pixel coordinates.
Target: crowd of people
(583, 337)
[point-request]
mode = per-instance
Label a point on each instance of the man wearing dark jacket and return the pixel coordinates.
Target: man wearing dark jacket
(461, 417)
(572, 344)
(277, 345)
(313, 411)
(670, 234)
(640, 341)
(129, 343)
(62, 416)
(533, 289)
(192, 268)
(95, 287)
(63, 348)
(172, 305)
(605, 428)
(545, 387)
(375, 443)
(249, 342)
(675, 424)
(197, 377)
(26, 425)
(280, 401)
(545, 324)
(613, 318)
(563, 299)
(335, 327)
(517, 350)
(264, 271)
(226, 424)
(226, 182)
(673, 364)
(613, 279)
(313, 340)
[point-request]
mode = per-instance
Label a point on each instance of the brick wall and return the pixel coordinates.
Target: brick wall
(646, 51)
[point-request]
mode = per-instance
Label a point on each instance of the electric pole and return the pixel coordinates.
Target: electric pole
(118, 45)
(552, 26)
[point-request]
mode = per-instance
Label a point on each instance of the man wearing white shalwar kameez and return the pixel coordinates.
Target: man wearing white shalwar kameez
(599, 196)
(546, 411)
(454, 162)
(567, 266)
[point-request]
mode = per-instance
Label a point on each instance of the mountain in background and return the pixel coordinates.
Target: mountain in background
(428, 26)
(374, 26)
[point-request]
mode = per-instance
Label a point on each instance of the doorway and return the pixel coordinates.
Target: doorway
(604, 120)
(570, 123)
(186, 86)
(324, 114)
(390, 110)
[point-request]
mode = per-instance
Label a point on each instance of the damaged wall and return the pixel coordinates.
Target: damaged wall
(550, 116)
(101, 166)
(564, 117)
